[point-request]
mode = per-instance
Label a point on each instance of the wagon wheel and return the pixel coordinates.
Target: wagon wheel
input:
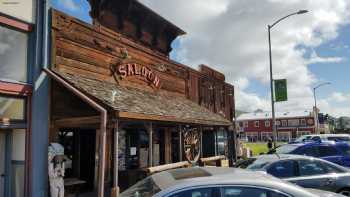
(192, 145)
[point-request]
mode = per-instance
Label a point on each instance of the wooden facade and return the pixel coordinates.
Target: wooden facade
(96, 51)
(122, 63)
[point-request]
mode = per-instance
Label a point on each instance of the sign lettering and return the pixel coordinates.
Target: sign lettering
(128, 70)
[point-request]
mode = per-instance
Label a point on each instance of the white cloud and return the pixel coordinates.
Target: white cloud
(315, 58)
(241, 83)
(231, 36)
(339, 97)
(327, 107)
(249, 102)
(69, 5)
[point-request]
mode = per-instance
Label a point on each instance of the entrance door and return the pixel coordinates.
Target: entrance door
(2, 163)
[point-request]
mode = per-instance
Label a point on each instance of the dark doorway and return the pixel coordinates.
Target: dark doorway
(208, 140)
(80, 149)
(161, 136)
(87, 139)
(175, 147)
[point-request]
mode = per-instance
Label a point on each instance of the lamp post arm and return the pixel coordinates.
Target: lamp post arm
(279, 20)
(322, 84)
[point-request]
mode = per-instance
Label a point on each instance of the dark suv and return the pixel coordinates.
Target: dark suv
(336, 152)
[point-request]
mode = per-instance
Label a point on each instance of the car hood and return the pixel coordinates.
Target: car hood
(322, 193)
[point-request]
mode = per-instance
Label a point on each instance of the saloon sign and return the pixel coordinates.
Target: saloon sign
(134, 69)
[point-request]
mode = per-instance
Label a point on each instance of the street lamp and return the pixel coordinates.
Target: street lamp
(316, 112)
(269, 27)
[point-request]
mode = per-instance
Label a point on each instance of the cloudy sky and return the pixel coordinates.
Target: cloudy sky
(231, 36)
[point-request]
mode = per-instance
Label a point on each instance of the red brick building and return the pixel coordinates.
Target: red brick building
(258, 126)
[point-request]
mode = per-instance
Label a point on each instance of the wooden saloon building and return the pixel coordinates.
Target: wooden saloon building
(119, 104)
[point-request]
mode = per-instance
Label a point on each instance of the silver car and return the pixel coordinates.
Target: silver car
(304, 171)
(217, 182)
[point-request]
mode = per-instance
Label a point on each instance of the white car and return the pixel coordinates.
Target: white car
(323, 137)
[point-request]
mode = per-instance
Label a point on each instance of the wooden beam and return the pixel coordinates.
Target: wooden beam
(139, 116)
(77, 121)
(213, 158)
(161, 168)
(216, 161)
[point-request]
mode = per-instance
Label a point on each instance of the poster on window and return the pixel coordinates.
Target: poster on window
(21, 9)
(156, 155)
(143, 157)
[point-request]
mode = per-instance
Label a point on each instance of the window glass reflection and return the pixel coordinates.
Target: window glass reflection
(12, 108)
(13, 55)
(221, 142)
(18, 162)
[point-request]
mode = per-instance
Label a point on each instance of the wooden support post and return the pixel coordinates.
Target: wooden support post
(150, 145)
(180, 143)
(167, 149)
(201, 143)
(115, 190)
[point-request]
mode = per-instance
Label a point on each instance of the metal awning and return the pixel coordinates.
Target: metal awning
(133, 103)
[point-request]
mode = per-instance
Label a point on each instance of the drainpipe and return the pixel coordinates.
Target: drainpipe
(103, 127)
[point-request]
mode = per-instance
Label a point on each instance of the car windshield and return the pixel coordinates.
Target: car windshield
(252, 164)
(144, 188)
(303, 138)
(286, 149)
(339, 138)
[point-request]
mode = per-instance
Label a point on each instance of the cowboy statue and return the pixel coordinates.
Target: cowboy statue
(56, 167)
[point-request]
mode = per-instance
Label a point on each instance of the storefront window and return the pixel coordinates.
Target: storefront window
(13, 55)
(12, 108)
(221, 141)
(18, 162)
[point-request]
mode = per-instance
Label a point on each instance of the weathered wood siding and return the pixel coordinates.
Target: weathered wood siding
(95, 51)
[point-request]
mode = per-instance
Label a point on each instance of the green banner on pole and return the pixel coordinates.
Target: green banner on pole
(281, 90)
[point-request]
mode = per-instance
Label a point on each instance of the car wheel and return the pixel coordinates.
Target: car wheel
(345, 192)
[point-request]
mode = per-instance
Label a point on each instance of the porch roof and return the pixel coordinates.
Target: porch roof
(134, 103)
